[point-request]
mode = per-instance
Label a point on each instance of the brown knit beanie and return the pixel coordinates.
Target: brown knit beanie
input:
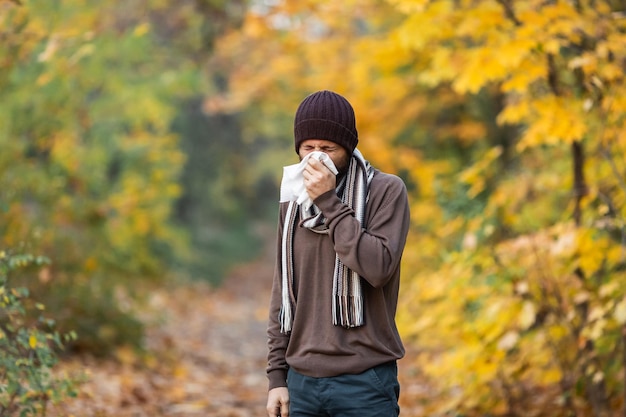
(326, 115)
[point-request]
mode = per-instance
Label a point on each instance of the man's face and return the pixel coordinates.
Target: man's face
(337, 153)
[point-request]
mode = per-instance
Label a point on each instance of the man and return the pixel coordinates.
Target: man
(332, 338)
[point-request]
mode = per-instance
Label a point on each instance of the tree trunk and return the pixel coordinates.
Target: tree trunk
(579, 188)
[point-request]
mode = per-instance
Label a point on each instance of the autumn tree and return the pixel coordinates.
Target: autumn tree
(89, 163)
(535, 291)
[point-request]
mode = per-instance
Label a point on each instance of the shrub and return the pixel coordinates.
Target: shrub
(28, 347)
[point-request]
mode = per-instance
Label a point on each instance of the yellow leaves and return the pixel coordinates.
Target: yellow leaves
(141, 29)
(420, 30)
(552, 375)
(508, 337)
(496, 57)
(528, 72)
(442, 68)
(527, 315)
(434, 289)
(410, 6)
(510, 53)
(552, 23)
(480, 21)
(66, 151)
(476, 45)
(619, 314)
(487, 46)
(32, 341)
(138, 207)
(254, 26)
(494, 54)
(555, 119)
(592, 251)
(286, 64)
(515, 112)
(480, 66)
(611, 72)
(475, 175)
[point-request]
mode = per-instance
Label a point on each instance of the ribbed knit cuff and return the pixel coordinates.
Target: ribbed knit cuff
(277, 378)
(327, 201)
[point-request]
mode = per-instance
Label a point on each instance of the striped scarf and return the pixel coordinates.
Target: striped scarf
(347, 299)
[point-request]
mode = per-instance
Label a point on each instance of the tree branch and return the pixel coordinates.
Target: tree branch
(509, 12)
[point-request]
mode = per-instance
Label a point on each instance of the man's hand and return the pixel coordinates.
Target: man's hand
(318, 179)
(278, 402)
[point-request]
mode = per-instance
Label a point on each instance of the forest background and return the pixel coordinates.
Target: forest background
(142, 143)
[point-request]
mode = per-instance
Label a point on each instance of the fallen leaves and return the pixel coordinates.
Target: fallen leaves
(206, 356)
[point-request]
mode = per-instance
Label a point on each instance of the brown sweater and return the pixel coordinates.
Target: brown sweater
(315, 347)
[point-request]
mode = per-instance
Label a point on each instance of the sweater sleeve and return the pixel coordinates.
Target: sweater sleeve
(276, 341)
(375, 249)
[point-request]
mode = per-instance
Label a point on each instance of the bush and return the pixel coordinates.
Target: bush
(28, 347)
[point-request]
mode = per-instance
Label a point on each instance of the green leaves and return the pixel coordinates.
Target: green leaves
(89, 167)
(28, 348)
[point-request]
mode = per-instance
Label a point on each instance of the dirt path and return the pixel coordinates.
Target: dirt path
(208, 357)
(208, 360)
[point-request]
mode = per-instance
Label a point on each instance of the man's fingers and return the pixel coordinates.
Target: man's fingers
(315, 170)
(273, 411)
(318, 165)
(278, 402)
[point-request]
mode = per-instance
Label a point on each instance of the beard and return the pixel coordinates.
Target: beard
(343, 164)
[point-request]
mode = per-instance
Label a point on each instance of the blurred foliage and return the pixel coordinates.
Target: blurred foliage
(90, 165)
(506, 120)
(28, 347)
(223, 200)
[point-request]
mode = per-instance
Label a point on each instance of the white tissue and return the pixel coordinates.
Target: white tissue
(292, 186)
